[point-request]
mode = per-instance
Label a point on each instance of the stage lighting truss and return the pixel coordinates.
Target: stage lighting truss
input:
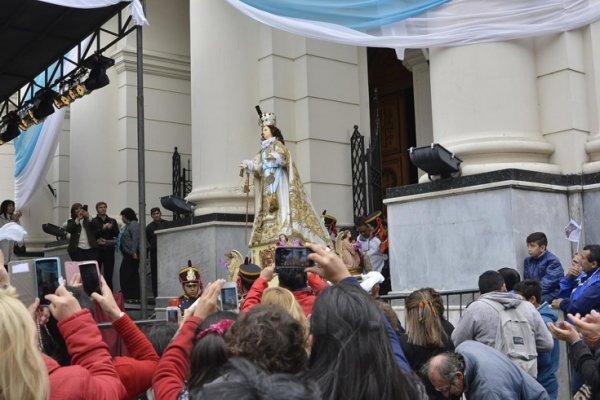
(71, 89)
(91, 75)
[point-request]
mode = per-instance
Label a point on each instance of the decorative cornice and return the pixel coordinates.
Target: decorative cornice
(412, 58)
(506, 178)
(155, 63)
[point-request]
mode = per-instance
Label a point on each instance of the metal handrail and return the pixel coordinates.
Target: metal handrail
(470, 294)
(403, 295)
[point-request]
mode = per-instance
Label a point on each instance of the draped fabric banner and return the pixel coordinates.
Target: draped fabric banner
(34, 149)
(355, 14)
(457, 22)
(137, 12)
(40, 148)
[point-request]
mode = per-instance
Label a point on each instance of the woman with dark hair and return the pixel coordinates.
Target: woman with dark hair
(8, 214)
(209, 353)
(128, 243)
(169, 382)
(252, 383)
(160, 335)
(355, 352)
(351, 355)
(425, 335)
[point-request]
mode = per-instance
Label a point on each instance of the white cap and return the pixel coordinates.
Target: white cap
(370, 279)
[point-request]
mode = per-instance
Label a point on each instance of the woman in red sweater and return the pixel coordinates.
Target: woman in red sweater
(173, 367)
(135, 371)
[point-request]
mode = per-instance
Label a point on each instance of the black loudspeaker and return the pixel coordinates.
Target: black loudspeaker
(177, 205)
(54, 230)
(435, 159)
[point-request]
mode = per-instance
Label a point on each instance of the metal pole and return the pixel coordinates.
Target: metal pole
(141, 167)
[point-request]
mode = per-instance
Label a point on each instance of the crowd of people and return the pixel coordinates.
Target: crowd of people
(98, 238)
(319, 333)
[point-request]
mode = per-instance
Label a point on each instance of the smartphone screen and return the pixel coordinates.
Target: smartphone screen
(229, 299)
(292, 257)
(23, 278)
(90, 278)
(47, 273)
(172, 314)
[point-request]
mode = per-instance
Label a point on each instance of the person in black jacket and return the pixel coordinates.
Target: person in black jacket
(129, 243)
(106, 230)
(156, 224)
(82, 242)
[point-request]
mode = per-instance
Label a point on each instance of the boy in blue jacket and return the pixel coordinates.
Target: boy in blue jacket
(548, 362)
(542, 266)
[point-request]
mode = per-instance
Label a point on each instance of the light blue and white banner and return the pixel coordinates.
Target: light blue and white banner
(34, 150)
(355, 14)
(429, 24)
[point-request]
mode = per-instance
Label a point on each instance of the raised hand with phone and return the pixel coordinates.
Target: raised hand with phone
(327, 263)
(107, 302)
(62, 303)
(137, 369)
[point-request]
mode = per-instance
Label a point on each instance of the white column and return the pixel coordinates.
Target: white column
(415, 62)
(223, 49)
(561, 81)
(591, 38)
(484, 106)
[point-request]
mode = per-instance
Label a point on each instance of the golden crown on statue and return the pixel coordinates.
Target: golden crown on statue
(267, 119)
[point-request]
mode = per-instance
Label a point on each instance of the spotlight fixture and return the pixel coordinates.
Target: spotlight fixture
(436, 161)
(9, 128)
(37, 109)
(62, 98)
(177, 204)
(42, 104)
(97, 78)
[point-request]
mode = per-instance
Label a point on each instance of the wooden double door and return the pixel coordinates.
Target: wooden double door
(392, 108)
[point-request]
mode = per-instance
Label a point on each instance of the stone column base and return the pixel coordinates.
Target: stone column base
(204, 244)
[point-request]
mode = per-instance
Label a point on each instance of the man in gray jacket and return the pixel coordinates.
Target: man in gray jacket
(480, 320)
(481, 373)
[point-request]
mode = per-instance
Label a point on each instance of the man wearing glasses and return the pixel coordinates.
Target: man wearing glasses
(481, 373)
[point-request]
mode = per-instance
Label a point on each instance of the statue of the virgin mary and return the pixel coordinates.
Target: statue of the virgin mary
(280, 204)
